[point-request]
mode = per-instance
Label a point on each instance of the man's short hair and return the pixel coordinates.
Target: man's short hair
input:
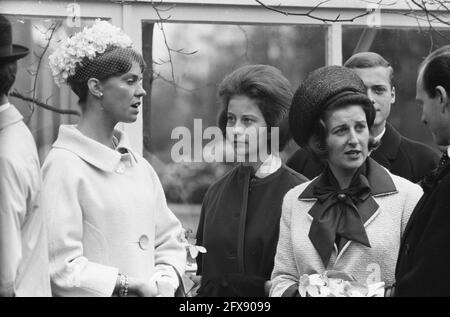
(369, 60)
(7, 77)
(436, 71)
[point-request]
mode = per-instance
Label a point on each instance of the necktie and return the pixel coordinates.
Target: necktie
(432, 179)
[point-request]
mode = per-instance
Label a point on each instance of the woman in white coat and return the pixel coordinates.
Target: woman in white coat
(351, 217)
(110, 230)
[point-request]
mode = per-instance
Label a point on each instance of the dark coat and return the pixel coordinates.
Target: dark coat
(424, 258)
(401, 156)
(239, 226)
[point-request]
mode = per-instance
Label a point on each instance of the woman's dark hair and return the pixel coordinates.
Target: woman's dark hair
(7, 77)
(317, 141)
(270, 90)
(111, 63)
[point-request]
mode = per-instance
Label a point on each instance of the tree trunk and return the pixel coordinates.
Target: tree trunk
(147, 53)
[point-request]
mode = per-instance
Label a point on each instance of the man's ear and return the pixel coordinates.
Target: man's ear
(95, 87)
(441, 93)
(392, 95)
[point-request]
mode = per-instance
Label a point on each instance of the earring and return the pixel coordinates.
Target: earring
(100, 95)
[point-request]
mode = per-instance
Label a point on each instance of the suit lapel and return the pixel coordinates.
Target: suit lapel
(419, 207)
(387, 152)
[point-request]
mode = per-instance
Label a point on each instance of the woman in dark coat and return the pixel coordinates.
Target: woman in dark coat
(239, 221)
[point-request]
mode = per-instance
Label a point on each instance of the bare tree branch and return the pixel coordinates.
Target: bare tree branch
(430, 18)
(16, 94)
(246, 41)
(52, 31)
(169, 49)
(310, 15)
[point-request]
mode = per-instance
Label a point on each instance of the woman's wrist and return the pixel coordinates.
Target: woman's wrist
(134, 287)
(123, 285)
(389, 291)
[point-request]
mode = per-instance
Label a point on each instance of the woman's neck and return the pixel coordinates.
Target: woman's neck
(3, 100)
(344, 177)
(95, 126)
(253, 165)
(256, 165)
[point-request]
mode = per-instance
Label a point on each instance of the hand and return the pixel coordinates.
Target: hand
(165, 289)
(146, 289)
(197, 279)
(267, 286)
(192, 283)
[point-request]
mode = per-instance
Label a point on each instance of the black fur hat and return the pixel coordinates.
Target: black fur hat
(326, 86)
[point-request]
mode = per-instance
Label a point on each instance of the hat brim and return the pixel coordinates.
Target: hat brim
(18, 52)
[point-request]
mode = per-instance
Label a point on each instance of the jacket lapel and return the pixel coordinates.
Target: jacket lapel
(387, 152)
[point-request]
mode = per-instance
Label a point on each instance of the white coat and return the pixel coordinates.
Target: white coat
(23, 237)
(107, 214)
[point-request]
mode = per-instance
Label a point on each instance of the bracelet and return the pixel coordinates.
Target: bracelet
(123, 285)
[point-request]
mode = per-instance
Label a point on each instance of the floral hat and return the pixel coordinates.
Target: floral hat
(75, 55)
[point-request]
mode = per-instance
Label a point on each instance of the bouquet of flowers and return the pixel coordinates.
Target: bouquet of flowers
(337, 284)
(190, 280)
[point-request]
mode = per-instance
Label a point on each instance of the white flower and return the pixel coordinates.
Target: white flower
(88, 43)
(336, 284)
(189, 243)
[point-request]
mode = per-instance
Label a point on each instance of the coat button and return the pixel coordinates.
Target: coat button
(406, 248)
(144, 242)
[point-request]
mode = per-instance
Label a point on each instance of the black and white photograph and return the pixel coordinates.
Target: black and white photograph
(225, 152)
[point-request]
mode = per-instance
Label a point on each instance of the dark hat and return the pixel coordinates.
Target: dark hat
(322, 88)
(9, 52)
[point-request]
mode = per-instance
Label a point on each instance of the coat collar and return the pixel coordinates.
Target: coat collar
(93, 152)
(381, 184)
(379, 180)
(388, 149)
(9, 116)
(269, 166)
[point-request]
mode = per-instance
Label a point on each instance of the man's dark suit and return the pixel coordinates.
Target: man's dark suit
(423, 267)
(401, 156)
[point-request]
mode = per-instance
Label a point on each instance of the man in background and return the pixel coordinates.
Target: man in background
(23, 239)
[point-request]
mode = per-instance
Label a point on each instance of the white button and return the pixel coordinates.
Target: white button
(120, 170)
(144, 242)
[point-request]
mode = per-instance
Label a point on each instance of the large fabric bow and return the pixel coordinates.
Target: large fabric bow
(335, 215)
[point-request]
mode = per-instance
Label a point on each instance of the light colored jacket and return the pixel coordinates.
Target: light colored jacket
(296, 254)
(23, 237)
(107, 214)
